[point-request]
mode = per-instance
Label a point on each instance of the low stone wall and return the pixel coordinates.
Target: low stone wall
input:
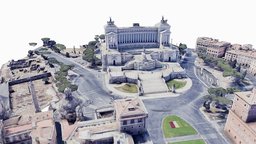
(36, 77)
(121, 79)
(174, 75)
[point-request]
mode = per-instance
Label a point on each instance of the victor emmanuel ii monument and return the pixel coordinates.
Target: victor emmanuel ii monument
(141, 55)
(123, 43)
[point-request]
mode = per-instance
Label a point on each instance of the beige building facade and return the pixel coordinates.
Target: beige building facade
(129, 118)
(211, 47)
(246, 58)
(241, 121)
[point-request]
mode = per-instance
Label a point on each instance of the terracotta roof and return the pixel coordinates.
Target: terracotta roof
(129, 107)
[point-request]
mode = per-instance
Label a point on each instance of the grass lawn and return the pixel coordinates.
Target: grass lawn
(183, 129)
(190, 142)
(178, 83)
(128, 88)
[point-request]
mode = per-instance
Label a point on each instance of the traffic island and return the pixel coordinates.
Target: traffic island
(199, 141)
(174, 126)
(177, 83)
(128, 88)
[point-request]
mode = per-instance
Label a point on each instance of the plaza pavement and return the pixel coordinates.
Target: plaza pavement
(160, 94)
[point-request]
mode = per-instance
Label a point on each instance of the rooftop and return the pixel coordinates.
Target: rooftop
(24, 123)
(249, 53)
(208, 40)
(248, 96)
(129, 107)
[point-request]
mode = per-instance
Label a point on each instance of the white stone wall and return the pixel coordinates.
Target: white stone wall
(114, 59)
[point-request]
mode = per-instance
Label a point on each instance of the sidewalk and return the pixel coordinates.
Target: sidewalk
(183, 138)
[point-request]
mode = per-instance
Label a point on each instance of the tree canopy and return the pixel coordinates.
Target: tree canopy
(45, 39)
(102, 36)
(32, 44)
(182, 48)
(92, 44)
(60, 46)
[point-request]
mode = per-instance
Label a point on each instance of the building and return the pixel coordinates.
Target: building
(1, 132)
(35, 128)
(241, 121)
(211, 47)
(246, 58)
(4, 101)
(137, 36)
(122, 43)
(114, 124)
(131, 116)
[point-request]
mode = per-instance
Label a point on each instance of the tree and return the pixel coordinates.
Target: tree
(74, 50)
(174, 88)
(30, 53)
(182, 48)
(46, 80)
(67, 54)
(32, 44)
(45, 41)
(233, 63)
(51, 43)
(92, 44)
(244, 74)
(102, 37)
(96, 38)
(217, 91)
(238, 69)
(60, 46)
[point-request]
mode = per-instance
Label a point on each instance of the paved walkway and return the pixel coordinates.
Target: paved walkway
(152, 84)
(183, 138)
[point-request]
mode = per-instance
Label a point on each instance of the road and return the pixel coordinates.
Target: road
(185, 106)
(90, 84)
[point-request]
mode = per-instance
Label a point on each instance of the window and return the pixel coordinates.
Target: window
(132, 121)
(124, 122)
(140, 120)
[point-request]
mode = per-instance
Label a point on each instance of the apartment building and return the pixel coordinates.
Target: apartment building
(211, 47)
(246, 58)
(241, 121)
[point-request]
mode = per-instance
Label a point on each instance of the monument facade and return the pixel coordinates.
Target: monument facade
(122, 44)
(137, 36)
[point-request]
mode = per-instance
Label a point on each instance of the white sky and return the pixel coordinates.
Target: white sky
(75, 22)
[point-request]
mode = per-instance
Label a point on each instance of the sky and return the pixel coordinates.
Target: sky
(74, 23)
